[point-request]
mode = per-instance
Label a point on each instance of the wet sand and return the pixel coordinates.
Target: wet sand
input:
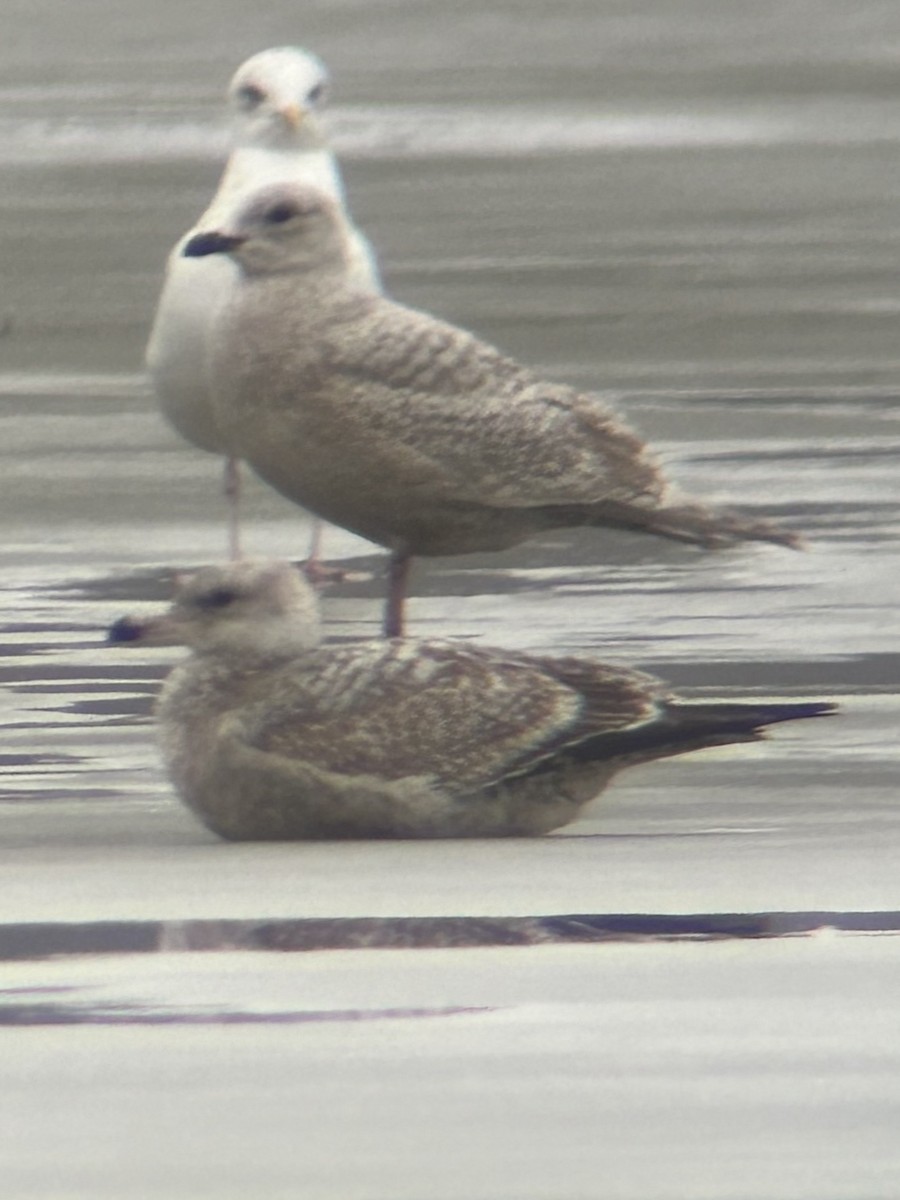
(723, 253)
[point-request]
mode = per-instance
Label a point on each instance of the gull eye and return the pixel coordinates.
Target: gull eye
(315, 94)
(279, 213)
(250, 96)
(217, 598)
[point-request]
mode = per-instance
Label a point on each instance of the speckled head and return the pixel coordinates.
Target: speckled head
(275, 94)
(283, 227)
(262, 610)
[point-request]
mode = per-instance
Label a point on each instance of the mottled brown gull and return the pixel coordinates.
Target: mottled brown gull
(269, 735)
(403, 428)
(274, 97)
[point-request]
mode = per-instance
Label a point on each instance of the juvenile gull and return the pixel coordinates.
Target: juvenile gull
(403, 428)
(274, 97)
(269, 735)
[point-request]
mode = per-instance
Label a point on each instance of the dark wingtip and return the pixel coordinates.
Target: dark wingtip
(202, 244)
(796, 711)
(747, 719)
(126, 629)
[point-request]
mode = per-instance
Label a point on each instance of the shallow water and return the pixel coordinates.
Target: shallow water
(720, 251)
(691, 203)
(655, 202)
(661, 1071)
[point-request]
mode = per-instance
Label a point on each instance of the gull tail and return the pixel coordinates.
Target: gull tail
(682, 727)
(694, 523)
(740, 722)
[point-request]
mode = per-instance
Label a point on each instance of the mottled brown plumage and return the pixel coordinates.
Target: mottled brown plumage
(403, 428)
(267, 734)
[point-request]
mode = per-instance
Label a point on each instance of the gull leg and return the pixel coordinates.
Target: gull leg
(231, 486)
(318, 573)
(398, 577)
(314, 556)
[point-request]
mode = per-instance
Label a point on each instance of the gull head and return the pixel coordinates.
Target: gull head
(254, 611)
(274, 96)
(284, 227)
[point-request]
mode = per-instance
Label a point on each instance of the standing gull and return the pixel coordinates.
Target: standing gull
(403, 428)
(269, 735)
(274, 97)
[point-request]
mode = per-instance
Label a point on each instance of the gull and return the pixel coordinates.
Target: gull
(403, 428)
(274, 97)
(268, 734)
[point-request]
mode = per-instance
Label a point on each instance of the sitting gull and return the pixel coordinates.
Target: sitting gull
(403, 428)
(269, 735)
(274, 96)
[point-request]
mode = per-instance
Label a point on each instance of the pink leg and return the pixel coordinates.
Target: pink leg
(314, 555)
(318, 573)
(398, 577)
(231, 486)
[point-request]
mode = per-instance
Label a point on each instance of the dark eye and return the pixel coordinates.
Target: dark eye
(279, 213)
(217, 598)
(250, 95)
(315, 94)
